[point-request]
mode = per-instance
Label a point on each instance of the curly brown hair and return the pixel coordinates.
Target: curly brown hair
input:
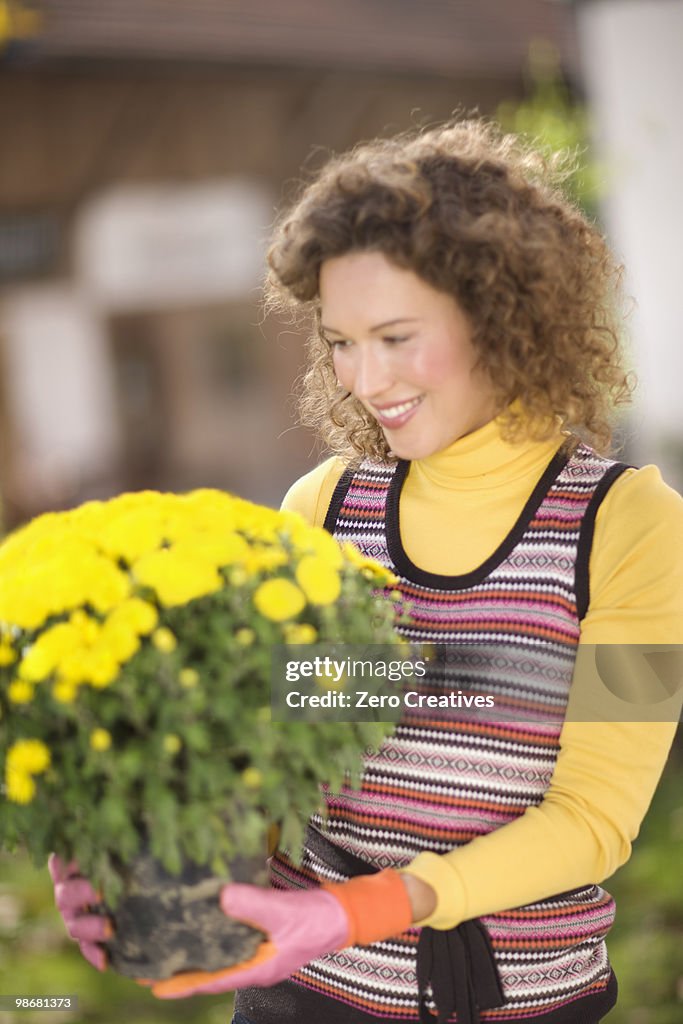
(480, 216)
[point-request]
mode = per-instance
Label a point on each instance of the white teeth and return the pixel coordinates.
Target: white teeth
(397, 410)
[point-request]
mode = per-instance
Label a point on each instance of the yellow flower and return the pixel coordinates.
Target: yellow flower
(55, 645)
(21, 605)
(172, 743)
(20, 787)
(102, 584)
(100, 739)
(134, 614)
(74, 666)
(164, 640)
(300, 633)
(319, 581)
(278, 600)
(119, 640)
(24, 759)
(265, 559)
(101, 667)
(252, 778)
(318, 542)
(64, 691)
(177, 576)
(87, 628)
(218, 549)
(188, 677)
(7, 654)
(245, 636)
(37, 663)
(326, 682)
(132, 533)
(372, 568)
(28, 756)
(20, 692)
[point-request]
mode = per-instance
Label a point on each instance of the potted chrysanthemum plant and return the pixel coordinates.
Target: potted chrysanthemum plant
(136, 640)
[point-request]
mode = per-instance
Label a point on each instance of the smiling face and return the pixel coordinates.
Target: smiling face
(404, 350)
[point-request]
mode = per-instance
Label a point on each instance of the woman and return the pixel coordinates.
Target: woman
(463, 365)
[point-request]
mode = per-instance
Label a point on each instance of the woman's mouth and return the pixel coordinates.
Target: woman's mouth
(393, 416)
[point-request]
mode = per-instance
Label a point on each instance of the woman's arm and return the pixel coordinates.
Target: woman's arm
(607, 771)
(580, 833)
(311, 494)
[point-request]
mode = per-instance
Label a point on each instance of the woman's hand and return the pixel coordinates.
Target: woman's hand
(75, 896)
(301, 926)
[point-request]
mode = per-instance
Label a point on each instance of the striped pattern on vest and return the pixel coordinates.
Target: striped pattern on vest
(443, 778)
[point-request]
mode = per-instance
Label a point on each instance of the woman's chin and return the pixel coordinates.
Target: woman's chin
(407, 450)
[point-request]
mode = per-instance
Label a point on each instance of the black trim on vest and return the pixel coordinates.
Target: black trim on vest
(583, 550)
(436, 581)
(337, 499)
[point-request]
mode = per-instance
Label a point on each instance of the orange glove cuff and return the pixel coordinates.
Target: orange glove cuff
(377, 906)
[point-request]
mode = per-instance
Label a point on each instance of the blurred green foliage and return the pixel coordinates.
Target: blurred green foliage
(552, 118)
(646, 945)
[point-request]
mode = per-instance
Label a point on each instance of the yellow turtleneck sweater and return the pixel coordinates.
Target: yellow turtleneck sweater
(456, 508)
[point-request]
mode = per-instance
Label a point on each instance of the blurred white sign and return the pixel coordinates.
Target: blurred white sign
(61, 396)
(158, 246)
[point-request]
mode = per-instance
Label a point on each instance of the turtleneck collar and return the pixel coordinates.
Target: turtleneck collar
(483, 460)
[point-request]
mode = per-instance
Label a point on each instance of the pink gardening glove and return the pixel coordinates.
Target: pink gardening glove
(74, 895)
(301, 926)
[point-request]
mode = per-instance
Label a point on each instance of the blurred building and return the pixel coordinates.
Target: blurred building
(146, 147)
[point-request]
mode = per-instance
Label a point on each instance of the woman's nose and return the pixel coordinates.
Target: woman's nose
(372, 375)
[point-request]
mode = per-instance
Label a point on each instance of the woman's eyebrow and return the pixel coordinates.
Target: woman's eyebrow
(392, 323)
(377, 327)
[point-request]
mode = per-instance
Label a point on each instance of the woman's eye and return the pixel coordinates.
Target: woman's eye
(395, 339)
(337, 343)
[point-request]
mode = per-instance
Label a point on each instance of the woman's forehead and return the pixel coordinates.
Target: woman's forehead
(367, 287)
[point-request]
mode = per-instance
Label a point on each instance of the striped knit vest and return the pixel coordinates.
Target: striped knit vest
(438, 781)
